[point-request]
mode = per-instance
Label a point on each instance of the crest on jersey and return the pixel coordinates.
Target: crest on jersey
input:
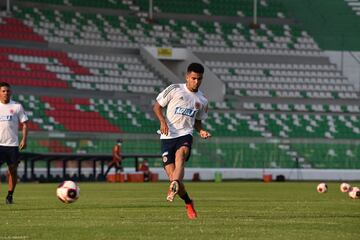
(197, 105)
(11, 111)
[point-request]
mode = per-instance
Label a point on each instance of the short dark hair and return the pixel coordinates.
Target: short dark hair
(195, 67)
(4, 84)
(119, 140)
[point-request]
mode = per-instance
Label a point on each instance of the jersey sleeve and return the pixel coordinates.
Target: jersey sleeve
(165, 96)
(203, 112)
(22, 115)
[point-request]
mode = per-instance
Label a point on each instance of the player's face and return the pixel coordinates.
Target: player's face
(193, 81)
(5, 94)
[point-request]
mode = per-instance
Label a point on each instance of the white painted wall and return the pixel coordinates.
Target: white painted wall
(257, 173)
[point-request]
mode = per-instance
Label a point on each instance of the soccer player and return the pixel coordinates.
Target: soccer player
(186, 108)
(11, 114)
(117, 158)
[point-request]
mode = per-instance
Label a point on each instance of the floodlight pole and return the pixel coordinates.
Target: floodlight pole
(151, 9)
(8, 10)
(342, 52)
(255, 13)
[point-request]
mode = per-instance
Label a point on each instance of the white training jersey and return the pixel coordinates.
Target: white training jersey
(10, 115)
(183, 107)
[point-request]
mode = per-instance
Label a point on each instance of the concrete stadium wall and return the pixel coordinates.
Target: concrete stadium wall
(349, 63)
(173, 62)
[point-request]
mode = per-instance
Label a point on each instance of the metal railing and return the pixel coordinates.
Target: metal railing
(29, 160)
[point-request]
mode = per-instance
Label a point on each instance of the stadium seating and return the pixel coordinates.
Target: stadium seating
(211, 8)
(318, 108)
(331, 156)
(85, 115)
(284, 102)
(55, 69)
(323, 18)
(120, 32)
(355, 6)
(283, 80)
(15, 29)
(83, 3)
(311, 126)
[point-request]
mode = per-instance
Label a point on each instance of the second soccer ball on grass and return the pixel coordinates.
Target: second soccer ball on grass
(322, 188)
(68, 192)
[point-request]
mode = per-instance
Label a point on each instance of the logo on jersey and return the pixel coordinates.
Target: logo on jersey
(197, 105)
(185, 111)
(5, 118)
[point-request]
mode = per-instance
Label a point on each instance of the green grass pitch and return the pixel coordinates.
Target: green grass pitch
(227, 210)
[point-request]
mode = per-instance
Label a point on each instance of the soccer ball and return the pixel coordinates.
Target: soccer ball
(322, 188)
(354, 193)
(345, 187)
(68, 192)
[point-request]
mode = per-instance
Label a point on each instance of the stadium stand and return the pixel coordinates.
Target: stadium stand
(129, 31)
(333, 24)
(355, 6)
(78, 69)
(15, 29)
(283, 80)
(75, 70)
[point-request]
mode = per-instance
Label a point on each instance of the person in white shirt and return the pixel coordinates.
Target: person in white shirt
(186, 108)
(11, 114)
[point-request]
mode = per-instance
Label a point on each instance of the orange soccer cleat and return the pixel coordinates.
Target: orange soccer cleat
(191, 210)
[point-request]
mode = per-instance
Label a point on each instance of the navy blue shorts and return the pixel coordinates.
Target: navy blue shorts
(10, 155)
(170, 146)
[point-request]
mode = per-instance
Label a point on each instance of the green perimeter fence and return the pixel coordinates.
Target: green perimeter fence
(216, 152)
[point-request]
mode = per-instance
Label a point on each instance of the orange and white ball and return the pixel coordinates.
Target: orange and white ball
(322, 188)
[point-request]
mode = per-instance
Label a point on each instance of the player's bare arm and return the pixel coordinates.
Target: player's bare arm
(199, 128)
(164, 128)
(22, 144)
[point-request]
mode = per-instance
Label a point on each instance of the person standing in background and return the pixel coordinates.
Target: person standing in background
(116, 158)
(11, 114)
